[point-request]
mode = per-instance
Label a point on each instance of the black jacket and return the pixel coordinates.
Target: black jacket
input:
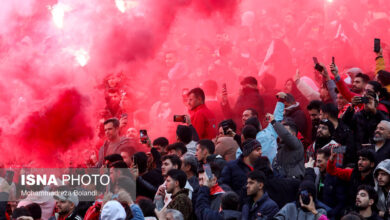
(234, 174)
(383, 153)
(296, 113)
(344, 136)
(265, 206)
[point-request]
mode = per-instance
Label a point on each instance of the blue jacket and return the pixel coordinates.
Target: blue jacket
(203, 208)
(265, 206)
(268, 136)
(234, 174)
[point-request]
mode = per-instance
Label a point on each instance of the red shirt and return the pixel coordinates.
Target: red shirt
(204, 122)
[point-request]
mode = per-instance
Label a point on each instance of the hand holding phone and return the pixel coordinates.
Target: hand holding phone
(317, 66)
(377, 45)
(143, 134)
(179, 118)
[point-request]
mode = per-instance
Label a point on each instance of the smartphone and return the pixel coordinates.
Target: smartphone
(317, 66)
(333, 60)
(179, 118)
(377, 45)
(364, 100)
(305, 197)
(340, 150)
(207, 170)
(143, 134)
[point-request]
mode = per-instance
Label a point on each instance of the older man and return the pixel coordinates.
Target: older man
(382, 142)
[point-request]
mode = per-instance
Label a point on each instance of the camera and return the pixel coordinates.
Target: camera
(179, 118)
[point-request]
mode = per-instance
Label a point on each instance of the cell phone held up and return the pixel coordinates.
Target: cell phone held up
(364, 100)
(143, 135)
(317, 66)
(305, 197)
(207, 170)
(179, 118)
(377, 45)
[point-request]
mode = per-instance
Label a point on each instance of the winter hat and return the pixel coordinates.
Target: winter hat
(309, 186)
(113, 210)
(254, 121)
(249, 145)
(328, 124)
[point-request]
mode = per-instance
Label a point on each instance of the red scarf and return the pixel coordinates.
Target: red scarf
(216, 189)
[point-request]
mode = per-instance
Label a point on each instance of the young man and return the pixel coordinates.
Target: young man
(184, 135)
(234, 174)
(175, 182)
(215, 191)
(314, 108)
(382, 143)
(382, 186)
(366, 199)
(160, 144)
(259, 204)
(178, 149)
(66, 208)
(202, 118)
(205, 154)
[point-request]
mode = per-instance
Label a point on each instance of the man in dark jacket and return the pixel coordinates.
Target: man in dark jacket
(234, 174)
(293, 110)
(216, 191)
(382, 142)
(289, 161)
(229, 206)
(342, 133)
(259, 204)
(249, 98)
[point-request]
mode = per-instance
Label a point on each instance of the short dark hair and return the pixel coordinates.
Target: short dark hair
(291, 124)
(352, 216)
(184, 133)
(147, 206)
(249, 131)
(257, 175)
(230, 201)
(175, 160)
(371, 193)
(161, 141)
(21, 211)
(178, 175)
(198, 92)
(229, 123)
(142, 161)
(178, 146)
(315, 105)
(215, 169)
(254, 121)
(113, 158)
(330, 109)
(207, 144)
(253, 111)
(35, 210)
(263, 164)
(114, 122)
(364, 77)
(325, 151)
(118, 164)
(367, 153)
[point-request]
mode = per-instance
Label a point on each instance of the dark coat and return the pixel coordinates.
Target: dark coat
(363, 124)
(234, 174)
(182, 203)
(265, 206)
(204, 211)
(344, 136)
(282, 190)
(383, 153)
(298, 116)
(332, 193)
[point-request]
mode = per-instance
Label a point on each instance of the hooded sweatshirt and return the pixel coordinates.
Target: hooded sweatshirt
(113, 210)
(383, 200)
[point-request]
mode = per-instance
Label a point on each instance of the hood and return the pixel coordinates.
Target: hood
(385, 166)
(227, 141)
(113, 210)
(292, 108)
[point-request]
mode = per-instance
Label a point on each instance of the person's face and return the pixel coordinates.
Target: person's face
(200, 153)
(114, 174)
(164, 93)
(174, 152)
(324, 94)
(132, 133)
(358, 85)
(314, 115)
(364, 164)
(202, 178)
(159, 149)
(369, 88)
(126, 158)
(290, 130)
(167, 166)
(170, 59)
(288, 86)
(245, 115)
(341, 101)
(255, 154)
(383, 178)
(381, 132)
(64, 207)
(221, 133)
(114, 97)
(370, 105)
(110, 131)
(194, 101)
(323, 131)
(252, 187)
(170, 184)
(321, 162)
(363, 201)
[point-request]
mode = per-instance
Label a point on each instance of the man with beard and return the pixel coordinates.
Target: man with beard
(359, 83)
(314, 108)
(382, 186)
(66, 206)
(342, 133)
(363, 174)
(366, 199)
(324, 141)
(382, 144)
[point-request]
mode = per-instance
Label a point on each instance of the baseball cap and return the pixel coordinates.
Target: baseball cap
(71, 198)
